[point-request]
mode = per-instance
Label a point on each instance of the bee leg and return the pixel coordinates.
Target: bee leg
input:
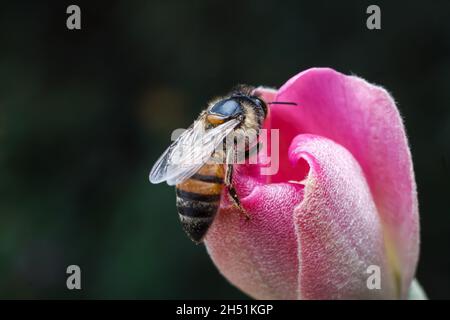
(232, 191)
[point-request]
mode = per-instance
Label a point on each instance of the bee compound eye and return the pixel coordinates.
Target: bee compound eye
(226, 108)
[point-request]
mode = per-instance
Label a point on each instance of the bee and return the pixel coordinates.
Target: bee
(198, 165)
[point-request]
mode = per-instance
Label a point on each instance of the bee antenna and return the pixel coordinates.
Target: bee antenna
(281, 102)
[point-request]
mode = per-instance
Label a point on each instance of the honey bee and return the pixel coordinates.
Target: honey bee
(200, 168)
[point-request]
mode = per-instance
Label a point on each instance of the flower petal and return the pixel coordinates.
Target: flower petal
(338, 228)
(364, 119)
(259, 256)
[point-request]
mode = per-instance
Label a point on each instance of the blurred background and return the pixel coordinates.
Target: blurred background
(85, 113)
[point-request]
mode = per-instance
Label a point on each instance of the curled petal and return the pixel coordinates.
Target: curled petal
(339, 231)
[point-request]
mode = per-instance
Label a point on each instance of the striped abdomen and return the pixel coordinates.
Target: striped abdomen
(198, 200)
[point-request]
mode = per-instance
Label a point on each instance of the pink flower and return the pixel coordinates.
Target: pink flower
(344, 198)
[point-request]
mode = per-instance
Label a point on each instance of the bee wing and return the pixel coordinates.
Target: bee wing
(186, 155)
(164, 165)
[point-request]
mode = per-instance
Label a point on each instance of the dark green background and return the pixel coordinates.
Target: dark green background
(84, 114)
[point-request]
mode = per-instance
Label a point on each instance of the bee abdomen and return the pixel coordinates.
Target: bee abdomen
(194, 196)
(196, 217)
(197, 209)
(198, 200)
